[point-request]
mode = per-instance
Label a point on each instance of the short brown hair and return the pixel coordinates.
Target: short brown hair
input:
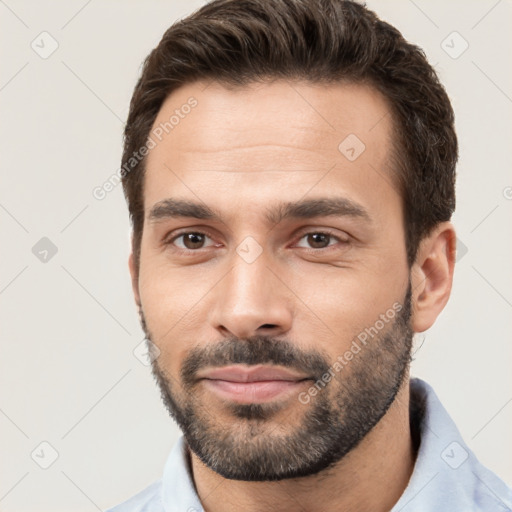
(237, 42)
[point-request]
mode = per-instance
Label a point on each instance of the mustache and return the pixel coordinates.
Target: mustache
(256, 350)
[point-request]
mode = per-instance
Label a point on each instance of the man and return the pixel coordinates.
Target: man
(289, 167)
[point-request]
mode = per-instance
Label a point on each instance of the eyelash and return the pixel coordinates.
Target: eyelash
(170, 242)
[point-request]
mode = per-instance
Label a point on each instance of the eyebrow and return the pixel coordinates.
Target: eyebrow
(302, 209)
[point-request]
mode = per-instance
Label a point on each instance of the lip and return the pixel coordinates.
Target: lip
(252, 384)
(254, 392)
(239, 373)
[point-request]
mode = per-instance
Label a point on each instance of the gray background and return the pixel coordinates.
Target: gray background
(68, 324)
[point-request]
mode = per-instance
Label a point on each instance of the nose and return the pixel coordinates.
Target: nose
(251, 300)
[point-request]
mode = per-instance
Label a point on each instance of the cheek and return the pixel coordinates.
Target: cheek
(166, 292)
(327, 304)
(339, 304)
(173, 301)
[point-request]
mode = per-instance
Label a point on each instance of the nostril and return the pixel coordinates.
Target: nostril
(268, 326)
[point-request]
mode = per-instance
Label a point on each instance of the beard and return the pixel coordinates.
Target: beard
(252, 445)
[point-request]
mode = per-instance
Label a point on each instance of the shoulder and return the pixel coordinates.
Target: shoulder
(447, 474)
(147, 500)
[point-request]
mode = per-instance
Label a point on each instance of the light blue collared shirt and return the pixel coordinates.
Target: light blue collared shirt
(447, 477)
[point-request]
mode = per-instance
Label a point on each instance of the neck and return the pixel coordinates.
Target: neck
(372, 476)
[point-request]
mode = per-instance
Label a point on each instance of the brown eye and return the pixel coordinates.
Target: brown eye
(318, 240)
(190, 240)
(193, 240)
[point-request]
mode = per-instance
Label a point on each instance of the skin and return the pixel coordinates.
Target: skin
(239, 152)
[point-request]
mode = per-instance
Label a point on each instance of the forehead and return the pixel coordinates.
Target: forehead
(269, 140)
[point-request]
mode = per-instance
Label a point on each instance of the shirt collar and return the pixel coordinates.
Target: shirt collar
(178, 489)
(447, 475)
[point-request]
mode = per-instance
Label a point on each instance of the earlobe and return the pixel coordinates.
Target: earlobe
(432, 276)
(134, 273)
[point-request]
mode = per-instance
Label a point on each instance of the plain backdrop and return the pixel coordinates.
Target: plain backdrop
(69, 328)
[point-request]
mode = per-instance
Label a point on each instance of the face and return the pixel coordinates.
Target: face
(274, 240)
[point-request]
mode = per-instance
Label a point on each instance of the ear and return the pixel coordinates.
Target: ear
(432, 275)
(134, 273)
